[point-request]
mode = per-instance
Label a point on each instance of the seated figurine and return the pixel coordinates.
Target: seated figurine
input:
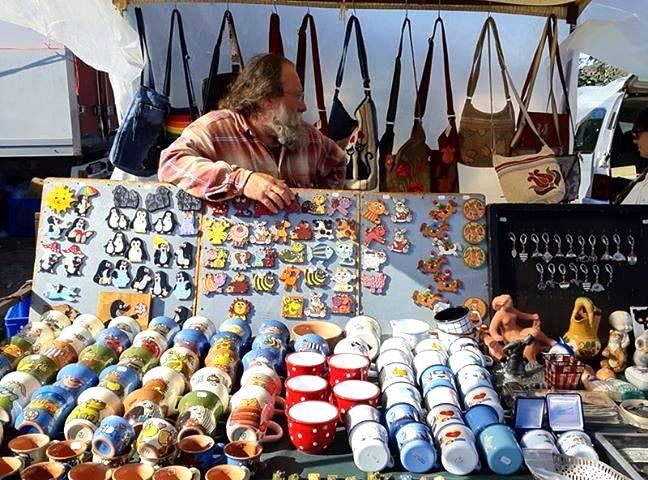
(504, 328)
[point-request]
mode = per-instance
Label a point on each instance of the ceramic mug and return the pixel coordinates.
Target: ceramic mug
(61, 352)
(102, 395)
(441, 394)
(539, 439)
(244, 454)
(473, 376)
(413, 331)
(138, 358)
(484, 395)
(355, 392)
(500, 449)
(395, 373)
(153, 341)
(141, 411)
(82, 422)
(416, 447)
(270, 340)
(175, 384)
(46, 411)
(133, 471)
(239, 327)
(395, 343)
(113, 438)
(577, 443)
(16, 388)
(261, 395)
(436, 375)
(44, 471)
(126, 324)
(458, 453)
(67, 452)
(311, 342)
(306, 363)
(120, 379)
(90, 471)
(181, 360)
(33, 335)
(398, 415)
(276, 327)
(56, 320)
(366, 328)
(227, 340)
(347, 366)
(360, 413)
(115, 339)
(39, 366)
(393, 356)
(430, 343)
(224, 359)
(355, 345)
(166, 326)
(77, 336)
(401, 392)
(368, 442)
(200, 323)
(311, 425)
(156, 440)
(211, 375)
(441, 415)
(228, 472)
(90, 322)
(10, 468)
(465, 357)
(152, 395)
(97, 357)
(305, 387)
(30, 448)
(196, 420)
(461, 343)
(202, 398)
(428, 358)
(480, 416)
(76, 378)
(264, 376)
(252, 423)
(199, 451)
(456, 320)
(176, 472)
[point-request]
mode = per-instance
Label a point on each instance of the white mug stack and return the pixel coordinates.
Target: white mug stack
(362, 335)
(368, 438)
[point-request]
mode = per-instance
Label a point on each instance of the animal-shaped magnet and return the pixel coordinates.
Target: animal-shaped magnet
(321, 253)
(214, 283)
(445, 282)
(374, 282)
(188, 224)
(162, 252)
(427, 299)
(265, 258)
(292, 306)
(121, 276)
(183, 289)
(317, 206)
(239, 234)
(346, 229)
(342, 304)
(372, 259)
(345, 250)
(143, 279)
(264, 282)
(117, 220)
(343, 279)
(323, 229)
(445, 247)
(166, 223)
(136, 253)
(316, 277)
(184, 254)
(290, 276)
(83, 203)
(125, 198)
(241, 261)
(400, 243)
(217, 230)
(242, 207)
(261, 234)
(79, 231)
(158, 200)
(402, 213)
(316, 307)
(219, 209)
(116, 246)
(240, 308)
(340, 205)
(240, 285)
(48, 262)
(260, 210)
(161, 287)
(375, 234)
(73, 259)
(434, 230)
(374, 209)
(216, 258)
(295, 254)
(302, 231)
(280, 231)
(181, 314)
(141, 222)
(59, 292)
(103, 276)
(55, 227)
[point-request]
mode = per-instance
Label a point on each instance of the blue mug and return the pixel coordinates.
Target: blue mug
(399, 415)
(244, 453)
(311, 342)
(165, 326)
(500, 449)
(480, 416)
(270, 340)
(239, 327)
(200, 451)
(120, 379)
(46, 412)
(265, 356)
(113, 438)
(277, 327)
(5, 365)
(114, 338)
(228, 340)
(76, 377)
(417, 451)
(194, 340)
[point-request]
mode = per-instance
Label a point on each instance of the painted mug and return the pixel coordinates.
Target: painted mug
(165, 326)
(199, 451)
(176, 472)
(239, 327)
(276, 327)
(90, 471)
(227, 340)
(97, 357)
(416, 447)
(76, 378)
(39, 366)
(200, 323)
(113, 438)
(115, 339)
(151, 340)
(244, 454)
(44, 471)
(90, 322)
(181, 360)
(67, 452)
(211, 375)
(138, 358)
(30, 448)
(77, 336)
(156, 440)
(133, 471)
(120, 379)
(126, 324)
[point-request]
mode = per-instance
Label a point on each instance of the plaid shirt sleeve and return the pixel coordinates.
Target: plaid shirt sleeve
(191, 163)
(332, 166)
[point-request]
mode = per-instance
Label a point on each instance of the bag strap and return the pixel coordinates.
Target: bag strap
(395, 86)
(300, 66)
(362, 56)
(489, 25)
(561, 72)
(176, 17)
(146, 77)
(275, 42)
(235, 50)
(422, 97)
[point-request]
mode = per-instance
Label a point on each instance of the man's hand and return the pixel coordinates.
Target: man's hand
(272, 192)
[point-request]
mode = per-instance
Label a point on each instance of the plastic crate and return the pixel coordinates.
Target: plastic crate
(20, 217)
(17, 317)
(562, 371)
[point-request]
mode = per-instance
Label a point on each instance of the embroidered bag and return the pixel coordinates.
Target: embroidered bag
(481, 134)
(357, 136)
(216, 84)
(532, 178)
(136, 148)
(179, 117)
(300, 66)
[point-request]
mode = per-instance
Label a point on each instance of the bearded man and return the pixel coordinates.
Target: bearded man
(257, 144)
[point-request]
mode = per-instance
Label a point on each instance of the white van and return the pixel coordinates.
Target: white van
(604, 139)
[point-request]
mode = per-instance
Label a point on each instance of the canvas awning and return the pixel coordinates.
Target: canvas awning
(564, 9)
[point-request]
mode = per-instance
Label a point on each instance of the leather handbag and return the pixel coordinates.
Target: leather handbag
(357, 135)
(215, 86)
(275, 42)
(483, 133)
(300, 66)
(136, 147)
(530, 178)
(179, 117)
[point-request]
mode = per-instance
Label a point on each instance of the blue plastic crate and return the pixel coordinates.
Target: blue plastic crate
(17, 317)
(20, 216)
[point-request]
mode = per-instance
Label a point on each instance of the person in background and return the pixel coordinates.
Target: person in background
(637, 190)
(257, 144)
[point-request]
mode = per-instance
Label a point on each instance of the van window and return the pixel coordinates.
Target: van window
(588, 131)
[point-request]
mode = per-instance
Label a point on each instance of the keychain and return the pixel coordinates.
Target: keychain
(564, 283)
(523, 254)
(546, 255)
(592, 242)
(551, 268)
(513, 250)
(587, 286)
(632, 256)
(574, 281)
(618, 256)
(541, 284)
(606, 254)
(582, 256)
(558, 242)
(536, 251)
(570, 241)
(596, 286)
(609, 270)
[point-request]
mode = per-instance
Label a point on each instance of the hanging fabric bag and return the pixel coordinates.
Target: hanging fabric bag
(275, 42)
(357, 136)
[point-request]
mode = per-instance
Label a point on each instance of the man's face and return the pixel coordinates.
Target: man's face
(285, 112)
(293, 97)
(641, 140)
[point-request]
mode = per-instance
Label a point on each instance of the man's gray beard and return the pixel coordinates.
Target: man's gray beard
(290, 129)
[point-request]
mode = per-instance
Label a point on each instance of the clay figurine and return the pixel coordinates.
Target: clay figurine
(641, 353)
(582, 335)
(615, 357)
(504, 328)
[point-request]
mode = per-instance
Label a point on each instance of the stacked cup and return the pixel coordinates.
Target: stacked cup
(368, 438)
(362, 335)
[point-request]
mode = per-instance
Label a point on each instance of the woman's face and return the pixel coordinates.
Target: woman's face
(641, 140)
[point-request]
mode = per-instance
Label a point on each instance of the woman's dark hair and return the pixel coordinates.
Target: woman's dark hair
(641, 122)
(260, 80)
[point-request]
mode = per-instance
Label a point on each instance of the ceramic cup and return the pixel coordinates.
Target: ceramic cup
(577, 443)
(311, 425)
(393, 356)
(68, 452)
(312, 342)
(480, 416)
(270, 340)
(166, 326)
(329, 331)
(153, 341)
(355, 392)
(395, 343)
(276, 327)
(487, 396)
(361, 413)
(10, 468)
(473, 376)
(202, 324)
(199, 451)
(180, 359)
(126, 324)
(97, 357)
(156, 440)
(138, 358)
(33, 336)
(113, 438)
(428, 358)
(196, 420)
(103, 396)
(56, 320)
(399, 415)
(461, 343)
(210, 375)
(435, 376)
(244, 454)
(258, 394)
(401, 392)
(456, 320)
(416, 447)
(227, 360)
(462, 358)
(44, 471)
(76, 378)
(77, 336)
(90, 322)
(305, 387)
(306, 363)
(82, 422)
(366, 328)
(115, 339)
(90, 471)
(500, 449)
(347, 366)
(239, 327)
(227, 340)
(353, 344)
(458, 453)
(441, 415)
(439, 395)
(141, 411)
(413, 331)
(176, 472)
(120, 379)
(175, 385)
(202, 398)
(252, 422)
(539, 439)
(16, 388)
(264, 376)
(39, 366)
(369, 444)
(430, 343)
(30, 448)
(133, 471)
(46, 411)
(228, 472)
(395, 373)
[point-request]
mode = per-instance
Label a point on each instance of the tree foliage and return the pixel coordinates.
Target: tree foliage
(593, 72)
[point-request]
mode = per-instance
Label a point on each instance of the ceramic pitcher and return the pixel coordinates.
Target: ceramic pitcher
(582, 335)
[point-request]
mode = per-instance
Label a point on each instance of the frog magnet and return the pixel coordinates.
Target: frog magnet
(295, 254)
(292, 306)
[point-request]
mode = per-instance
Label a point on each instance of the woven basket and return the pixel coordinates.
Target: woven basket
(547, 466)
(562, 371)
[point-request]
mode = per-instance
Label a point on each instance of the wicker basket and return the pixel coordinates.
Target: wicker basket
(562, 371)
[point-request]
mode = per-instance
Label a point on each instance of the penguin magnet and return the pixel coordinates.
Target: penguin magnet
(121, 276)
(162, 252)
(143, 279)
(117, 220)
(116, 246)
(141, 222)
(166, 223)
(183, 289)
(161, 287)
(184, 254)
(135, 251)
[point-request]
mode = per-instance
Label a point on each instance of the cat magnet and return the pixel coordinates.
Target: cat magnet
(374, 209)
(375, 234)
(316, 307)
(343, 279)
(345, 250)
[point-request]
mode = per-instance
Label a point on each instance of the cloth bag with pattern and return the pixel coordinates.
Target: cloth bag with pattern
(357, 135)
(480, 133)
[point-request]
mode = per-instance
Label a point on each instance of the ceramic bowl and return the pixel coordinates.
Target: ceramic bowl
(327, 330)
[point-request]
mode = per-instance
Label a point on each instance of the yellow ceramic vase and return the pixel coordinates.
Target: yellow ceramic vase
(582, 335)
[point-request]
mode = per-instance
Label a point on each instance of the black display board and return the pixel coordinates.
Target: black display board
(521, 279)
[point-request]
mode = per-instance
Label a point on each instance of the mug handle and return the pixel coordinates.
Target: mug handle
(481, 320)
(273, 437)
(195, 473)
(280, 405)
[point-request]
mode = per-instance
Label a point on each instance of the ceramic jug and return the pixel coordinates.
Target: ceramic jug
(582, 335)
